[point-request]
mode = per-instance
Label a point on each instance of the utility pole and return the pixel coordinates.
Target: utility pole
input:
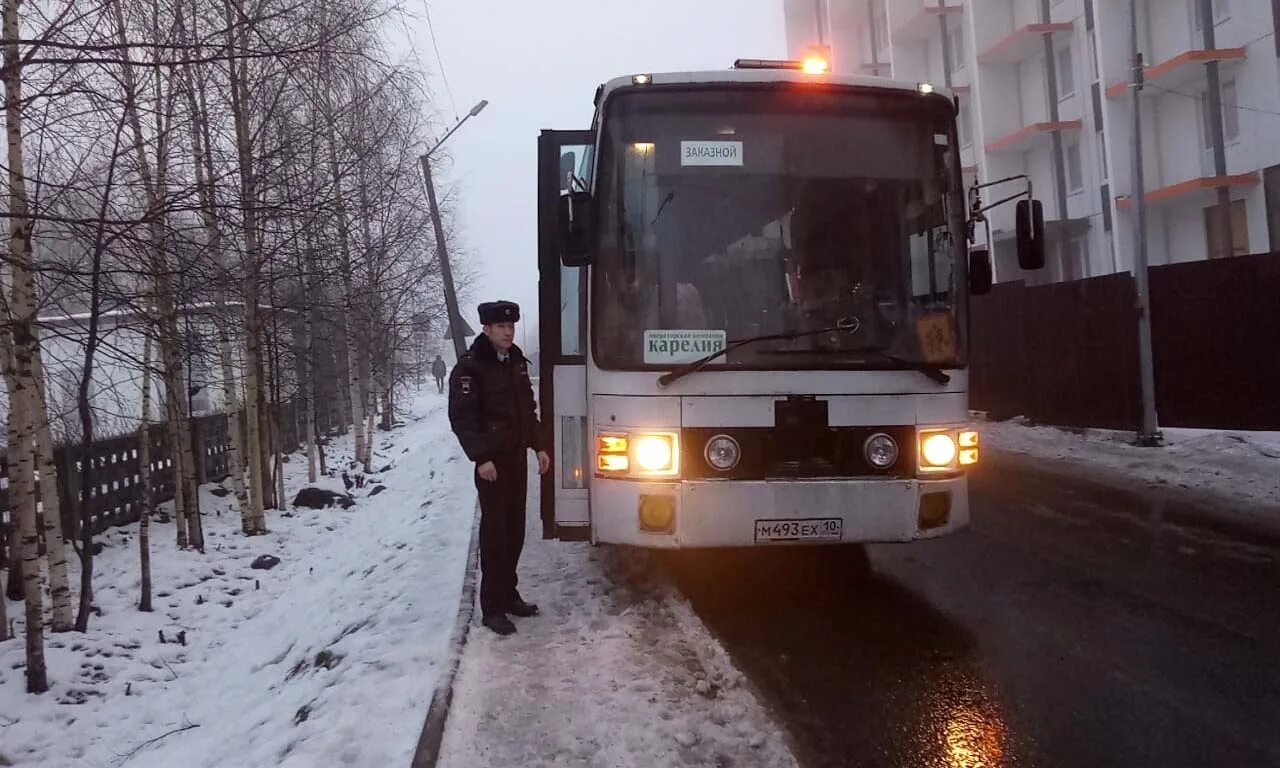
(446, 271)
(1222, 214)
(945, 36)
(1059, 159)
(1149, 430)
(456, 323)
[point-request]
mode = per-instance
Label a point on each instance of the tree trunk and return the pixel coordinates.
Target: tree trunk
(13, 585)
(350, 318)
(204, 174)
(25, 397)
(230, 392)
(55, 543)
(238, 78)
(4, 618)
(13, 582)
(144, 475)
(187, 522)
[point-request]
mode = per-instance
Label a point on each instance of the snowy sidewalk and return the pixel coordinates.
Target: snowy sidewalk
(1230, 466)
(617, 672)
(328, 659)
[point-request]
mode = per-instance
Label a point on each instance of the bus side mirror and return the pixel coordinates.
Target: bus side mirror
(1030, 234)
(979, 272)
(575, 228)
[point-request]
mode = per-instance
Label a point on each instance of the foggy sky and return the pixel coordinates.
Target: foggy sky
(538, 62)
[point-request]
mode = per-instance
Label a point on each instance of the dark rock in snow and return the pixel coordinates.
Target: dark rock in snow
(265, 562)
(377, 489)
(98, 547)
(319, 498)
(387, 468)
(219, 491)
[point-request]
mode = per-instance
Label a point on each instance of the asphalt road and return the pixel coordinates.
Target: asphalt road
(1071, 625)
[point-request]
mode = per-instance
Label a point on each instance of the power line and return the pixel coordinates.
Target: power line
(440, 60)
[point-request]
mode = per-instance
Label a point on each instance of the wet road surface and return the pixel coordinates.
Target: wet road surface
(1071, 625)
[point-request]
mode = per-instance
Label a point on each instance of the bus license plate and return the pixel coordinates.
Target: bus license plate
(809, 529)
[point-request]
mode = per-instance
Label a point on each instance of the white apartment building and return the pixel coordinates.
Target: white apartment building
(1044, 90)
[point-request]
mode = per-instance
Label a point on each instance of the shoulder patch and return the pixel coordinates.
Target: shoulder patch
(464, 384)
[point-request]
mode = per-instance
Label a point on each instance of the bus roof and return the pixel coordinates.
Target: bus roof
(764, 76)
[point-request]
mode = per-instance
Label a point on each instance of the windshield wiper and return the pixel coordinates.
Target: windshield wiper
(693, 367)
(928, 369)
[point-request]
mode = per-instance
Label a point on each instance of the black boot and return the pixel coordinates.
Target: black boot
(499, 623)
(522, 609)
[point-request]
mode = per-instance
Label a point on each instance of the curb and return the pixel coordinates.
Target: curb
(427, 753)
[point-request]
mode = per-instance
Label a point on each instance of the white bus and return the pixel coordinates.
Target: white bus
(753, 299)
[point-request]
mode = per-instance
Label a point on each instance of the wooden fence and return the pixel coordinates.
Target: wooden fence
(1067, 353)
(117, 478)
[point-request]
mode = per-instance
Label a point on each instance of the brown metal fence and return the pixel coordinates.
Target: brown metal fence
(1067, 353)
(115, 497)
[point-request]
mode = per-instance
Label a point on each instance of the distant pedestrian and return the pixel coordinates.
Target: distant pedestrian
(439, 369)
(492, 411)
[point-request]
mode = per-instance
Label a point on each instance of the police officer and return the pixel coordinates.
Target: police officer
(492, 411)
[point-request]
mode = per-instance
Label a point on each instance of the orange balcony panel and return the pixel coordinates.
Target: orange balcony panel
(1182, 70)
(1030, 137)
(1022, 44)
(1184, 189)
(923, 23)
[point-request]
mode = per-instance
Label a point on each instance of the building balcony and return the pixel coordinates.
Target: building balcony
(921, 21)
(1024, 43)
(1186, 70)
(1199, 192)
(1033, 136)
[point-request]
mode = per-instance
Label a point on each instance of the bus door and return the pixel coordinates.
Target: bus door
(562, 337)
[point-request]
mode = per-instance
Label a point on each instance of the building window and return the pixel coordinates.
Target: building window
(1230, 115)
(1221, 12)
(1075, 174)
(956, 35)
(1239, 231)
(881, 21)
(1076, 265)
(1066, 75)
(963, 127)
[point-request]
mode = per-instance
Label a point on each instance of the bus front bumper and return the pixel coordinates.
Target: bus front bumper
(730, 513)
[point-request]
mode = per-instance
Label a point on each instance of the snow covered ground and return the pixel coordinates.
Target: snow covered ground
(330, 658)
(617, 672)
(1231, 465)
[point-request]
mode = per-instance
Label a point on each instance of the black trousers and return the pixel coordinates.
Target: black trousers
(502, 508)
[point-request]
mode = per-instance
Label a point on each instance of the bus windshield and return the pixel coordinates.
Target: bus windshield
(731, 212)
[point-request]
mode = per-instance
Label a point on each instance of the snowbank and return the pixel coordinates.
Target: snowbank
(617, 671)
(330, 658)
(1242, 466)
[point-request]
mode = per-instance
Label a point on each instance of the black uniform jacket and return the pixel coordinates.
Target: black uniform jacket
(491, 406)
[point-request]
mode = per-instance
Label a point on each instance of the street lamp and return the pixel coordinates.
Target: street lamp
(456, 323)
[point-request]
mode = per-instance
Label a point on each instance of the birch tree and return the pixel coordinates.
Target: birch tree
(187, 520)
(24, 400)
(144, 478)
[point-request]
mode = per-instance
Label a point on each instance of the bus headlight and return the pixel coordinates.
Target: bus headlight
(937, 451)
(723, 452)
(968, 448)
(637, 454)
(655, 454)
(881, 450)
